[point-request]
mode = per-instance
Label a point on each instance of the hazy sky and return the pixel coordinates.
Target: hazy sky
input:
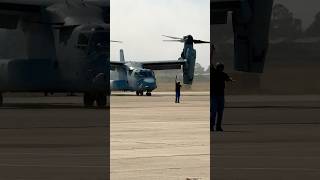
(140, 24)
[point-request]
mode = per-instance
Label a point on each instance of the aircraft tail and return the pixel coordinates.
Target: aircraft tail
(122, 56)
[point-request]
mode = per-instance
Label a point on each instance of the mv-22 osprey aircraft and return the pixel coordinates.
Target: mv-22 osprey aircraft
(138, 76)
(67, 47)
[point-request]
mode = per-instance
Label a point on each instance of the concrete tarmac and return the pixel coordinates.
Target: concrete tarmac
(153, 138)
(52, 138)
(268, 137)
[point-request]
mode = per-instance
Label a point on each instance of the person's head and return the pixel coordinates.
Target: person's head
(220, 67)
(178, 82)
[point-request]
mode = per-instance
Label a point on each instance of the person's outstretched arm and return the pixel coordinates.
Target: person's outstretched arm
(228, 78)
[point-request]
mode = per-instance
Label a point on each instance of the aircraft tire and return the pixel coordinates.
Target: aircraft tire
(141, 93)
(148, 93)
(101, 100)
(88, 99)
(137, 93)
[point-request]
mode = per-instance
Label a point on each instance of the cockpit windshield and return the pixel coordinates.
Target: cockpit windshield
(94, 39)
(83, 39)
(144, 74)
(100, 38)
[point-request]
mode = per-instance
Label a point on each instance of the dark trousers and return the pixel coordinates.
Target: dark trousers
(177, 97)
(216, 111)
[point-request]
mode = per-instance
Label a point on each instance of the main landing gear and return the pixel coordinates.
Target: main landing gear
(99, 97)
(140, 93)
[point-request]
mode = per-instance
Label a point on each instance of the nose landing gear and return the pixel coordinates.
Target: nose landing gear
(140, 93)
(1, 99)
(99, 97)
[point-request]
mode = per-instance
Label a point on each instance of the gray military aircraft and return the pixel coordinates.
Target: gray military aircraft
(131, 76)
(138, 76)
(67, 47)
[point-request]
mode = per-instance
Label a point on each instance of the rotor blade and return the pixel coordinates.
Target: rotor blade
(200, 42)
(182, 41)
(172, 37)
(116, 41)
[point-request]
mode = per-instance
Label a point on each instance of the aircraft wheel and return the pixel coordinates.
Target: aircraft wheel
(1, 99)
(88, 99)
(101, 100)
(141, 93)
(148, 94)
(137, 93)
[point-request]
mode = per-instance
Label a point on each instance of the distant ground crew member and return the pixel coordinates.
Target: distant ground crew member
(178, 89)
(218, 79)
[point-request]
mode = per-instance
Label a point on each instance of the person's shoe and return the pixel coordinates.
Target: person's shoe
(219, 129)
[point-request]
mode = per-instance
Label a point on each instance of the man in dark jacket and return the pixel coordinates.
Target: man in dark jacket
(217, 86)
(178, 89)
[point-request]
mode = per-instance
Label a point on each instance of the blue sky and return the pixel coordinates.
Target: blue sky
(140, 24)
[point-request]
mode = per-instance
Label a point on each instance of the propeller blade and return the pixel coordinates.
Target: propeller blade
(182, 41)
(172, 37)
(200, 42)
(116, 41)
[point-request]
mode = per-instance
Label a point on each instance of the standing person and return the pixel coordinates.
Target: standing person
(218, 79)
(178, 89)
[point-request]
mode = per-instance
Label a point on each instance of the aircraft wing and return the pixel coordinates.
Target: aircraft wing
(44, 3)
(28, 2)
(163, 65)
(100, 3)
(12, 11)
(67, 13)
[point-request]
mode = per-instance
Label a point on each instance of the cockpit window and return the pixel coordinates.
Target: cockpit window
(100, 39)
(137, 74)
(150, 74)
(144, 74)
(83, 39)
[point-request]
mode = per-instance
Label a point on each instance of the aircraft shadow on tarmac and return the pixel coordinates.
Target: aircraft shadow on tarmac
(273, 123)
(231, 131)
(47, 106)
(158, 95)
(133, 95)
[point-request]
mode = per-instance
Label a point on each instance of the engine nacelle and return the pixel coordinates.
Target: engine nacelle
(188, 68)
(251, 33)
(251, 21)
